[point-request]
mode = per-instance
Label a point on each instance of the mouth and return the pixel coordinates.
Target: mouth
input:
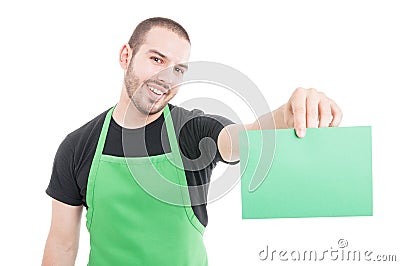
(156, 91)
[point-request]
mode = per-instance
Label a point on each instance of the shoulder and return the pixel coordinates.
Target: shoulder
(87, 131)
(79, 146)
(180, 115)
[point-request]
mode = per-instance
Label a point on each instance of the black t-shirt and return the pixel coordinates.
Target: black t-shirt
(197, 134)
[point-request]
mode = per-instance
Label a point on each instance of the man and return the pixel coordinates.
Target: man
(92, 168)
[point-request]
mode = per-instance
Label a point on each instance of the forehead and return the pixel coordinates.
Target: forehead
(168, 43)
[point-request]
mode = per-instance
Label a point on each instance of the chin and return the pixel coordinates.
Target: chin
(155, 109)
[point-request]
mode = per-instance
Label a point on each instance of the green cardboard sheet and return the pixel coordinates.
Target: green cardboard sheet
(327, 173)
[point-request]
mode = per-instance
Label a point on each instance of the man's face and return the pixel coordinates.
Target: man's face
(156, 69)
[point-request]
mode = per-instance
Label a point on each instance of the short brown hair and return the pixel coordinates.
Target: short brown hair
(139, 34)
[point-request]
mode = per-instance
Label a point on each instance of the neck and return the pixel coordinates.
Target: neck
(128, 116)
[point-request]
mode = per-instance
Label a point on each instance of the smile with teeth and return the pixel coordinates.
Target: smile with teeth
(156, 91)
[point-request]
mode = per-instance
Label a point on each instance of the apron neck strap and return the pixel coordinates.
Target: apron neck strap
(173, 142)
(103, 134)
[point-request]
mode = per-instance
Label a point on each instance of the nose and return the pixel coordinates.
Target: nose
(169, 76)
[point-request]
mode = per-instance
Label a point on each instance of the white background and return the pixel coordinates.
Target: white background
(59, 69)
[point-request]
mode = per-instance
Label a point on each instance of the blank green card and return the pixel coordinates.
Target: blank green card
(325, 174)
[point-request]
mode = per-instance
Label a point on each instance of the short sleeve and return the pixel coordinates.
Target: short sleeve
(202, 127)
(63, 186)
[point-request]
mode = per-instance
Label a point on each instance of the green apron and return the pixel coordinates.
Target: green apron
(127, 225)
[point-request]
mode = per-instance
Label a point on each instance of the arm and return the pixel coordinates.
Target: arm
(63, 239)
(305, 109)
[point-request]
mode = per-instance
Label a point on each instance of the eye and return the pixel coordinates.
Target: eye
(156, 59)
(179, 70)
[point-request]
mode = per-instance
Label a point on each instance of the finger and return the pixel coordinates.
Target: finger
(288, 116)
(312, 109)
(337, 114)
(325, 114)
(298, 104)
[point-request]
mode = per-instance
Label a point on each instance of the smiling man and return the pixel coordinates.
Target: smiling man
(127, 225)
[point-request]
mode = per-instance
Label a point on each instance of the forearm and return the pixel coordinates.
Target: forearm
(272, 120)
(228, 140)
(59, 253)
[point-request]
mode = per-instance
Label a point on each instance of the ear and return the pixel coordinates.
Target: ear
(125, 56)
